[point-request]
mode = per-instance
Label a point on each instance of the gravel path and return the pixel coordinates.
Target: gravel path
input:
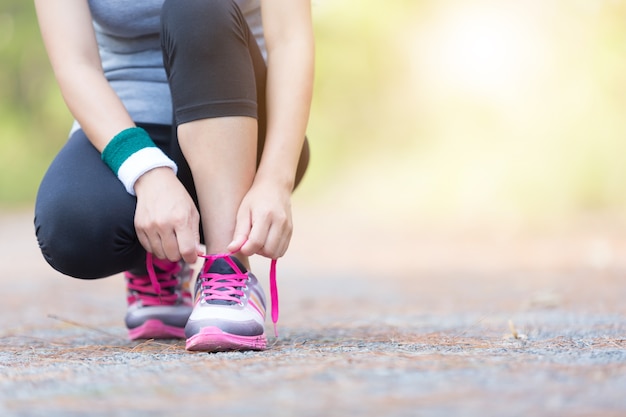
(509, 328)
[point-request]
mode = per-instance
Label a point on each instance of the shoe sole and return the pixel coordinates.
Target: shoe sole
(156, 329)
(213, 339)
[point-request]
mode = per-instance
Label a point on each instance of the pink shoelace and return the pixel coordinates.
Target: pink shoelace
(222, 287)
(229, 285)
(155, 281)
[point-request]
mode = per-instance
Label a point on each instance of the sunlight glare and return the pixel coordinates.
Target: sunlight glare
(479, 49)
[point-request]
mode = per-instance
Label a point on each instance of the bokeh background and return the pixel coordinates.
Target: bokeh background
(472, 112)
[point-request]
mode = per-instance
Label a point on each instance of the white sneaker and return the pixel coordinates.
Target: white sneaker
(229, 308)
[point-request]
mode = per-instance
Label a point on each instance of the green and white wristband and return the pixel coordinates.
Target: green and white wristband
(132, 153)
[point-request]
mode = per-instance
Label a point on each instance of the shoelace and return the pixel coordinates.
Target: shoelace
(158, 281)
(155, 281)
(222, 287)
(228, 287)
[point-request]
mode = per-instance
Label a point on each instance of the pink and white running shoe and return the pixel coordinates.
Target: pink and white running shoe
(159, 303)
(229, 310)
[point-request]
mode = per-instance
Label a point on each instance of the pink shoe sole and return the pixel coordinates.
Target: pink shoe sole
(156, 329)
(213, 339)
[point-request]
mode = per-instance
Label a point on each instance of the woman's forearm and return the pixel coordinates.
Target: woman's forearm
(289, 36)
(95, 105)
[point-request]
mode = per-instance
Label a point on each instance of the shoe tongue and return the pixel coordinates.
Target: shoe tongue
(220, 266)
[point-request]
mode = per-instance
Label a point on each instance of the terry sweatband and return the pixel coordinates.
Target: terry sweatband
(131, 153)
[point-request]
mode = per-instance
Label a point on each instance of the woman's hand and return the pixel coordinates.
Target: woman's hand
(264, 225)
(166, 218)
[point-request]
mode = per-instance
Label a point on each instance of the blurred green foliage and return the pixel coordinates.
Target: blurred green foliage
(33, 118)
(496, 109)
(420, 107)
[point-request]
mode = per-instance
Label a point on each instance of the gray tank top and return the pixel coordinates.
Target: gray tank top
(128, 38)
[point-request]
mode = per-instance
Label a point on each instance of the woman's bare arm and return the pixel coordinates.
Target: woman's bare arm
(70, 41)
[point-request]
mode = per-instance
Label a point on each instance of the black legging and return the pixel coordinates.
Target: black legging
(84, 218)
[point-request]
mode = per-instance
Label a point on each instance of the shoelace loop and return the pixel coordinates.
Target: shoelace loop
(152, 274)
(150, 288)
(274, 295)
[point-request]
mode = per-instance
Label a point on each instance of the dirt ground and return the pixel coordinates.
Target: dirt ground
(375, 320)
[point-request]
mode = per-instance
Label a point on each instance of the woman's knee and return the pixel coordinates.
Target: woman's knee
(63, 238)
(85, 239)
(82, 251)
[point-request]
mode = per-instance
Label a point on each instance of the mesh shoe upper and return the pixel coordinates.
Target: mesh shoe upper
(227, 297)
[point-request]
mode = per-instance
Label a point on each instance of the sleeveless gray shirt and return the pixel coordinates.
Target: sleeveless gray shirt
(127, 32)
